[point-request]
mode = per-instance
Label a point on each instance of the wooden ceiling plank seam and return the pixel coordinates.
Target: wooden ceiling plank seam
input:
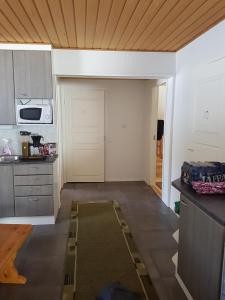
(10, 28)
(69, 17)
(58, 21)
(124, 21)
(106, 25)
(178, 9)
(74, 22)
(116, 24)
(95, 24)
(159, 16)
(32, 13)
(192, 7)
(7, 11)
(200, 23)
(6, 34)
(201, 10)
(147, 19)
(2, 38)
(41, 23)
(217, 21)
(91, 20)
(64, 23)
(195, 25)
(105, 7)
(142, 7)
(22, 15)
(46, 18)
(115, 13)
(80, 19)
(54, 24)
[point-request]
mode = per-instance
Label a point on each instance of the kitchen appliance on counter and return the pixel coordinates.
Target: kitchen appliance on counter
(34, 113)
(25, 143)
(36, 148)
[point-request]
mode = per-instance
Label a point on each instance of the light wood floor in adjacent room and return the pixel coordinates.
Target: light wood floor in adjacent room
(158, 182)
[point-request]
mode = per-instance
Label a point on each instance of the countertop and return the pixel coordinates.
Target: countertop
(212, 205)
(49, 159)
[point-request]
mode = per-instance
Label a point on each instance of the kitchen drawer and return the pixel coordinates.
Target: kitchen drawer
(34, 206)
(33, 190)
(33, 180)
(33, 169)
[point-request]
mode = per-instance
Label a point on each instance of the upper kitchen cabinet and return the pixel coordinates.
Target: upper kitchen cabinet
(33, 74)
(7, 99)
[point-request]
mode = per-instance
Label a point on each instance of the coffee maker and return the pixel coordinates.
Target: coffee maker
(36, 148)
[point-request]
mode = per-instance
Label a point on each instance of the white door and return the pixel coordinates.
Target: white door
(84, 130)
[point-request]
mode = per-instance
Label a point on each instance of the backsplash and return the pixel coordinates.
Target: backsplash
(13, 134)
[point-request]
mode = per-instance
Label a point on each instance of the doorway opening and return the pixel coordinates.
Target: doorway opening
(161, 105)
(130, 131)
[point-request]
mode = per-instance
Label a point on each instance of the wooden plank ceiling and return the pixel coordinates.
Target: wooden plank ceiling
(142, 25)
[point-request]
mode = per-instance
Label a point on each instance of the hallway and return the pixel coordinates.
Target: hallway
(150, 221)
(152, 224)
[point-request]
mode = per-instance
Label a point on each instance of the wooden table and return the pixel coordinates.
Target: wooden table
(12, 238)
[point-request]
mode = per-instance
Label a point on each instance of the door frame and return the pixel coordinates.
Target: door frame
(168, 134)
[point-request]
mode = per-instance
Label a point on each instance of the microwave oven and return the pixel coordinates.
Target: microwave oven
(34, 114)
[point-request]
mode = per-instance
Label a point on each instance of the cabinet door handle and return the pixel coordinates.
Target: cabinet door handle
(34, 199)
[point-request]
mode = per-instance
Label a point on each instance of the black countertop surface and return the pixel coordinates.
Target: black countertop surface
(48, 159)
(213, 205)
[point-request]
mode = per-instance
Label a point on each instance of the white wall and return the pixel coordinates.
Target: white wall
(191, 63)
(81, 63)
(125, 125)
(161, 102)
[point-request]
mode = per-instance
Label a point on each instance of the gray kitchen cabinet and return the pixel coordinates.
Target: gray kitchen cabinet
(34, 206)
(33, 180)
(34, 192)
(6, 191)
(7, 99)
(200, 252)
(33, 169)
(33, 74)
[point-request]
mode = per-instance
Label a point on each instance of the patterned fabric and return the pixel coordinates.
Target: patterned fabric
(203, 171)
(209, 187)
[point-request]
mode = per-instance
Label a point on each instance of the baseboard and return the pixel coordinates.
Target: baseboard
(124, 179)
(185, 290)
(157, 190)
(45, 220)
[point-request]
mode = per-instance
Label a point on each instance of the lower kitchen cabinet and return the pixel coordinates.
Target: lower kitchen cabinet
(6, 191)
(200, 252)
(34, 206)
(33, 184)
(27, 190)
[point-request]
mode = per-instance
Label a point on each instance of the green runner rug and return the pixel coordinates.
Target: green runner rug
(101, 251)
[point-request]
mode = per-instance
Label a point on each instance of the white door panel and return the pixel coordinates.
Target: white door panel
(84, 120)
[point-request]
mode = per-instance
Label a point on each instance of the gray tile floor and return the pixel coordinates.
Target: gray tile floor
(151, 223)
